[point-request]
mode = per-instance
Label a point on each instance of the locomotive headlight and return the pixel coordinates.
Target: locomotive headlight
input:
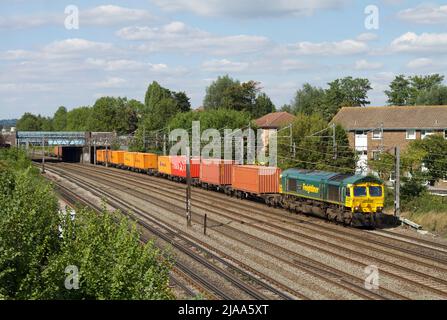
(357, 209)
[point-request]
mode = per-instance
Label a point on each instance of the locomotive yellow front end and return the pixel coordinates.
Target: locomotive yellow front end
(365, 198)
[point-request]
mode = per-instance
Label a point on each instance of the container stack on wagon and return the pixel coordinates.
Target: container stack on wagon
(146, 162)
(129, 160)
(164, 165)
(252, 180)
(216, 174)
(178, 164)
(117, 158)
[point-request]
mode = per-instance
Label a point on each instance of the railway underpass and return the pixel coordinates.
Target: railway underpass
(74, 147)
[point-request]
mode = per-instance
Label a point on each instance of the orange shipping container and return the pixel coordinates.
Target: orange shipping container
(129, 159)
(118, 157)
(146, 161)
(57, 151)
(216, 172)
(164, 165)
(101, 155)
(256, 179)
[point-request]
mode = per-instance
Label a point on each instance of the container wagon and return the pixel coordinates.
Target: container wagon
(146, 162)
(57, 152)
(164, 165)
(256, 182)
(178, 168)
(117, 158)
(129, 160)
(216, 174)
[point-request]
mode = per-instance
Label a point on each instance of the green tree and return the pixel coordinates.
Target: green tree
(316, 152)
(78, 119)
(346, 92)
(182, 101)
(434, 96)
(433, 152)
(112, 263)
(38, 242)
(308, 100)
(211, 119)
(263, 105)
(60, 119)
(423, 90)
(400, 91)
(383, 165)
(161, 105)
(286, 108)
(154, 94)
(28, 232)
(216, 92)
(29, 122)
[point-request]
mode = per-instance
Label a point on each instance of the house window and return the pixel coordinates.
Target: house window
(411, 134)
(392, 176)
(426, 133)
(377, 134)
(376, 155)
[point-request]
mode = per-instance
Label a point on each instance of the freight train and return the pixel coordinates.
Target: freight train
(347, 199)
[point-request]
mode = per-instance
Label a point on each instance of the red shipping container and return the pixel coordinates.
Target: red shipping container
(256, 179)
(216, 172)
(178, 166)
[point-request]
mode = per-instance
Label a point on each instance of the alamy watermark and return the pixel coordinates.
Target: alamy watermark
(372, 278)
(72, 17)
(72, 280)
(372, 20)
(228, 144)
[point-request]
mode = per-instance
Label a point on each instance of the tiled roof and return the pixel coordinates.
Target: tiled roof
(392, 118)
(275, 120)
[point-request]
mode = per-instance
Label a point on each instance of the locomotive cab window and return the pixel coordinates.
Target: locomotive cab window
(360, 191)
(375, 191)
(348, 192)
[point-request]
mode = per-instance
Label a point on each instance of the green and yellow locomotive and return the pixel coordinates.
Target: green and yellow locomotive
(350, 199)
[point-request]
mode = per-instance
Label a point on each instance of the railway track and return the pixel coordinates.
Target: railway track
(312, 266)
(74, 200)
(179, 240)
(368, 242)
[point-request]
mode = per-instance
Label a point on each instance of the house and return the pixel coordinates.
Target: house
(272, 122)
(372, 130)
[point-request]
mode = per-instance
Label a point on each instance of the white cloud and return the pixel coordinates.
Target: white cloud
(113, 82)
(425, 14)
(76, 45)
(344, 47)
(291, 64)
(177, 36)
(368, 36)
(249, 8)
(426, 42)
(111, 15)
(224, 65)
(420, 63)
(366, 65)
(105, 15)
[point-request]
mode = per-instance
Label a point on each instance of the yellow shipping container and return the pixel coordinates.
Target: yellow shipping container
(129, 159)
(100, 155)
(118, 158)
(146, 161)
(164, 165)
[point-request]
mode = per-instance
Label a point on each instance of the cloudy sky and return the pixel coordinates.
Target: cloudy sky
(122, 46)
